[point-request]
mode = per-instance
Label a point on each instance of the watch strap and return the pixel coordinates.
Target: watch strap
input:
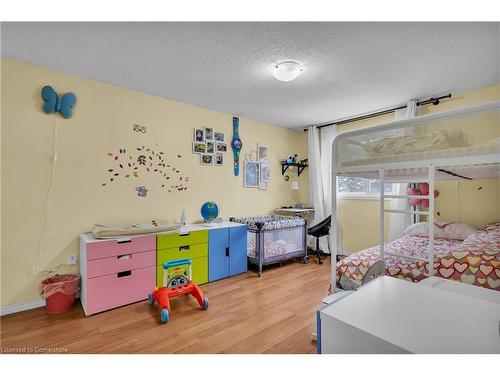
(236, 153)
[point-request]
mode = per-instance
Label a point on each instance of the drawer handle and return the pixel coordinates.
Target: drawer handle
(124, 274)
(119, 242)
(124, 257)
(183, 248)
(184, 234)
(227, 251)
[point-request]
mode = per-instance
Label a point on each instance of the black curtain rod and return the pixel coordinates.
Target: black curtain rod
(433, 101)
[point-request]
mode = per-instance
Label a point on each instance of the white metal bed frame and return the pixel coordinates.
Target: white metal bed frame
(429, 165)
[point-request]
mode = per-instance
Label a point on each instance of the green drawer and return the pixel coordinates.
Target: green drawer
(169, 240)
(199, 270)
(181, 252)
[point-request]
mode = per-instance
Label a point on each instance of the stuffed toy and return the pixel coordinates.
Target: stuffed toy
(422, 190)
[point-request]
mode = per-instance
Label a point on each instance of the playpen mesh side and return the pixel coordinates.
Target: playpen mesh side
(276, 242)
(251, 244)
(282, 242)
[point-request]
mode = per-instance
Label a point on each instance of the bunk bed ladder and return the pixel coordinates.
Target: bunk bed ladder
(382, 215)
(430, 219)
(429, 213)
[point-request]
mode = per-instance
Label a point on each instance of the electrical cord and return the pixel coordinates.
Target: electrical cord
(45, 207)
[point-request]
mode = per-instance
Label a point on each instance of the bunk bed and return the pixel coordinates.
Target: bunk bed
(453, 145)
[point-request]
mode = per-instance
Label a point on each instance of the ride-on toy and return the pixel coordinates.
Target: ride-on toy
(177, 282)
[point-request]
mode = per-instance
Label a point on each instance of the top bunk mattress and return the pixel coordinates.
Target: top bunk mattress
(465, 137)
(491, 147)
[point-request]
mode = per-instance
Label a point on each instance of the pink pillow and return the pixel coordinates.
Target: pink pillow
(449, 231)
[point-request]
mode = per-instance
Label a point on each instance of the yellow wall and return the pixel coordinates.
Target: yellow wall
(359, 220)
(102, 123)
(475, 202)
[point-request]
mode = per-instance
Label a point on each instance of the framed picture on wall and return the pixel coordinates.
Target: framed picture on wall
(210, 147)
(262, 152)
(219, 137)
(199, 147)
(209, 134)
(265, 172)
(251, 179)
(221, 147)
(219, 159)
(199, 135)
(207, 159)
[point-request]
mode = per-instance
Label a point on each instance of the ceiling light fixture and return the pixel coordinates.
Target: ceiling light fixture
(287, 71)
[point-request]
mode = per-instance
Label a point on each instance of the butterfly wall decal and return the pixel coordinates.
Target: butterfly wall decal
(55, 103)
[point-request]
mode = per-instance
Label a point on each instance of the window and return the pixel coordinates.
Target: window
(361, 187)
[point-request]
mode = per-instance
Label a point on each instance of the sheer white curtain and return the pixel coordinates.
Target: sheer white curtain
(315, 179)
(399, 222)
(327, 134)
(320, 172)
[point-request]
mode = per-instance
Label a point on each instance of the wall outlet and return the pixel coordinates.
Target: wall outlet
(71, 260)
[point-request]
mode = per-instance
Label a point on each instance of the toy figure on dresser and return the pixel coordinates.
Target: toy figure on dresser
(177, 282)
(184, 219)
(292, 159)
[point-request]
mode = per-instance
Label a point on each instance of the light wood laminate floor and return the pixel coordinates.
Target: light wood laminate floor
(247, 314)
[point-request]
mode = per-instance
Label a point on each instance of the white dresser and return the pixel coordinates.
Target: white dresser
(389, 315)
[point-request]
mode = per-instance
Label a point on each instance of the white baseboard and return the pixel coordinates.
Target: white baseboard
(21, 306)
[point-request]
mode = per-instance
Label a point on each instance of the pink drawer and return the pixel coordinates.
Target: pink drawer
(110, 291)
(120, 263)
(112, 248)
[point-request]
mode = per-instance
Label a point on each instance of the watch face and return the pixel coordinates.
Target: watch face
(237, 144)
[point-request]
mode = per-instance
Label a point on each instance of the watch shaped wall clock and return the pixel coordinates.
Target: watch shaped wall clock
(236, 145)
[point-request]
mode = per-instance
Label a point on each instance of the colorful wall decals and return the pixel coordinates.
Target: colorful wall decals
(145, 160)
(139, 129)
(141, 191)
(55, 103)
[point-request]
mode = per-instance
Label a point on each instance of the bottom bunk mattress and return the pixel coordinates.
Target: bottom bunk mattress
(475, 261)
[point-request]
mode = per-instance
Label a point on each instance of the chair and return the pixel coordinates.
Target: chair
(319, 230)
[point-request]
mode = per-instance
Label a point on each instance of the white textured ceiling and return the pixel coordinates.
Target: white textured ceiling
(351, 68)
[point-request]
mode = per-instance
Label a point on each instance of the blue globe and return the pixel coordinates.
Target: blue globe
(209, 211)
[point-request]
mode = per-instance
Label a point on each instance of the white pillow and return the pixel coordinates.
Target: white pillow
(449, 231)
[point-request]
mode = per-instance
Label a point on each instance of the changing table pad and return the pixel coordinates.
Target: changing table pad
(134, 228)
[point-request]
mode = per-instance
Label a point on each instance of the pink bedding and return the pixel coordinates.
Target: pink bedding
(475, 261)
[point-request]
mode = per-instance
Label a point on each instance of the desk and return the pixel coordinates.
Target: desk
(301, 212)
(296, 211)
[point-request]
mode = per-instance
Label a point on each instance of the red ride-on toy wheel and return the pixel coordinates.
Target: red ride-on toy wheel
(151, 300)
(165, 316)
